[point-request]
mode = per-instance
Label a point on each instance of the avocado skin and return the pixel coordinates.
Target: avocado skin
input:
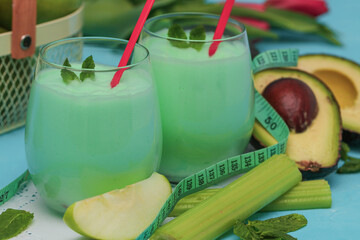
(329, 55)
(323, 172)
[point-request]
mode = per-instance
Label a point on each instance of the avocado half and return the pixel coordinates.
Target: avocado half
(342, 76)
(315, 150)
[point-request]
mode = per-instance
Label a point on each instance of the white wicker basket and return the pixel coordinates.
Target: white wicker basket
(16, 74)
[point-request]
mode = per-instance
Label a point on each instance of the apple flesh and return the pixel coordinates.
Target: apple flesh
(294, 101)
(122, 213)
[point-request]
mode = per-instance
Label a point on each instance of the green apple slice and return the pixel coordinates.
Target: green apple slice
(122, 213)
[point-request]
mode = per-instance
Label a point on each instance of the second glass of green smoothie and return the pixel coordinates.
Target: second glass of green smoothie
(206, 103)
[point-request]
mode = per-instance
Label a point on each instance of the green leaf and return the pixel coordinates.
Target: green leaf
(256, 33)
(275, 17)
(326, 33)
(137, 2)
(245, 232)
(66, 74)
(197, 33)
(273, 228)
(344, 151)
(88, 64)
(248, 232)
(115, 18)
(176, 31)
(66, 63)
(290, 20)
(13, 222)
(352, 165)
(287, 223)
(276, 234)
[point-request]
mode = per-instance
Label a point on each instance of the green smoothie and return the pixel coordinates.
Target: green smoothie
(84, 138)
(206, 104)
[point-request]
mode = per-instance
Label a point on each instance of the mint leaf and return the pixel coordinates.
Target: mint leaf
(88, 64)
(245, 232)
(344, 151)
(176, 31)
(287, 223)
(273, 228)
(13, 222)
(197, 33)
(66, 63)
(66, 74)
(351, 165)
(276, 234)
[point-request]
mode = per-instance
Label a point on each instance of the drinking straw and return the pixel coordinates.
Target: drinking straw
(132, 41)
(219, 31)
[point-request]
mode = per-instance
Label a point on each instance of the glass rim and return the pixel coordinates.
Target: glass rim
(206, 15)
(44, 48)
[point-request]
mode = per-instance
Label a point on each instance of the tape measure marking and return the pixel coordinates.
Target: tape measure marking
(275, 58)
(226, 168)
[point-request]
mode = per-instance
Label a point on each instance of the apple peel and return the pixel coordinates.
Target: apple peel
(122, 213)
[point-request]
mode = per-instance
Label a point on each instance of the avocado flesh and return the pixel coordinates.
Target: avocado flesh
(316, 150)
(342, 76)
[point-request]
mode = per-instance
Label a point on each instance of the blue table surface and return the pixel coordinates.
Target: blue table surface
(342, 220)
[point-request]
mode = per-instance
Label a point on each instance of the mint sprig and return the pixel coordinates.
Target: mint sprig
(88, 64)
(273, 228)
(66, 74)
(69, 76)
(197, 33)
(176, 31)
(13, 222)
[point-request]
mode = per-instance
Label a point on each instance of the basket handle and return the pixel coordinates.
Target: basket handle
(23, 28)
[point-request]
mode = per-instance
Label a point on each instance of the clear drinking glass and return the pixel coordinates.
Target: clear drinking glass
(206, 103)
(84, 138)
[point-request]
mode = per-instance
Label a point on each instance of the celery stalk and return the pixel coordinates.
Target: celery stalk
(305, 195)
(238, 200)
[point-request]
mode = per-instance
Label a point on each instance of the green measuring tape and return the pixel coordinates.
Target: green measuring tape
(226, 168)
(9, 191)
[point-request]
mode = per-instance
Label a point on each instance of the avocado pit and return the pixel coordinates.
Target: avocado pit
(294, 101)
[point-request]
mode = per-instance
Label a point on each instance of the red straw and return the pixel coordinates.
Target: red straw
(132, 41)
(221, 26)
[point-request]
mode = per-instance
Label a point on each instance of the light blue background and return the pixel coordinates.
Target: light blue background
(341, 222)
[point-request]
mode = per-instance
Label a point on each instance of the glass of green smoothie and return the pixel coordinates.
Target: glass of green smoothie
(206, 103)
(84, 138)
